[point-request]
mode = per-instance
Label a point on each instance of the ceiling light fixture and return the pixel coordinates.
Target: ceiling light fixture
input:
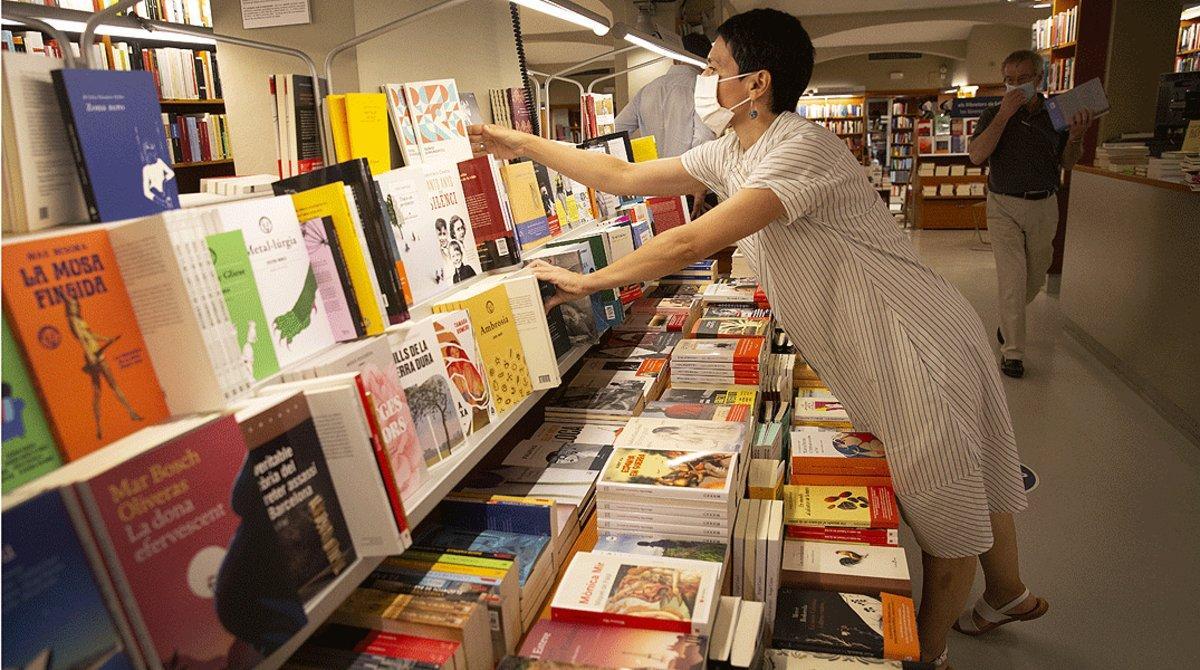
(569, 11)
(651, 43)
(68, 26)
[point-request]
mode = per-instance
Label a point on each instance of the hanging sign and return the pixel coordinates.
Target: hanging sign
(271, 13)
(972, 107)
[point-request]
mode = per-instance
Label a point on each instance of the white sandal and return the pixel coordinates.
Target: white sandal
(994, 618)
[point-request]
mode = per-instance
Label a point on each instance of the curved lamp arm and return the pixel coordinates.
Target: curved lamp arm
(63, 41)
(627, 70)
(89, 28)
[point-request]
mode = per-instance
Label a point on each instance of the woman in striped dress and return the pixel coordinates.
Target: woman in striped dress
(894, 341)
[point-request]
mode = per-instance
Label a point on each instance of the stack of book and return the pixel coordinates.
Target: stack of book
(719, 363)
(608, 390)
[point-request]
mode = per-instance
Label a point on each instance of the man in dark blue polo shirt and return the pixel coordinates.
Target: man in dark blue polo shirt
(1025, 157)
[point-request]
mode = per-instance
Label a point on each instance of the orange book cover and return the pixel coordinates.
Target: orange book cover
(803, 478)
(74, 321)
(900, 641)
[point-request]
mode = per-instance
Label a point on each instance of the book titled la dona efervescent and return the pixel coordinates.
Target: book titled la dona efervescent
(295, 489)
(59, 604)
(420, 267)
(357, 461)
(29, 450)
(614, 647)
(187, 542)
(465, 369)
(419, 366)
(372, 360)
(611, 589)
(68, 308)
(115, 126)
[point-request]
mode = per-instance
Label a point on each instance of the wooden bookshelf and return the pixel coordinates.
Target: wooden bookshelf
(193, 164)
(187, 101)
(858, 142)
(1187, 55)
(942, 211)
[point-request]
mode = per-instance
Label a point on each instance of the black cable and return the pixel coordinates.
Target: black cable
(534, 119)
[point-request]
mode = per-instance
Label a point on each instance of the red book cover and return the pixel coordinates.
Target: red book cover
(481, 190)
(880, 537)
(613, 647)
(202, 129)
(382, 458)
(818, 451)
(666, 213)
(190, 546)
(804, 478)
(68, 309)
(388, 645)
(746, 350)
(185, 147)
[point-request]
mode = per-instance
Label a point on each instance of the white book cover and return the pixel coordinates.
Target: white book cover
(613, 589)
(664, 519)
(402, 125)
(620, 505)
(683, 434)
(345, 435)
(418, 360)
(439, 120)
(646, 544)
(738, 547)
(721, 642)
(568, 432)
(283, 272)
(464, 368)
(750, 551)
(605, 524)
(852, 560)
(529, 313)
(713, 351)
(620, 240)
(38, 161)
(763, 533)
(424, 273)
(361, 235)
(557, 455)
(774, 560)
(451, 222)
(747, 637)
(656, 472)
(820, 409)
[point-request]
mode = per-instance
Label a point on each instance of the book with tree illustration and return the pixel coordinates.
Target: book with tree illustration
(418, 360)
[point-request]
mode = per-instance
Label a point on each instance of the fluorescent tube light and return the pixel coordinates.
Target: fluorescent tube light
(656, 45)
(68, 26)
(569, 11)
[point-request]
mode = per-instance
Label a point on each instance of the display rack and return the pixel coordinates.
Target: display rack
(1055, 39)
(845, 115)
(942, 210)
(1187, 46)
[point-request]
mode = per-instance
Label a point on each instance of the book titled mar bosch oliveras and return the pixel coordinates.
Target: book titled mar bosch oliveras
(116, 131)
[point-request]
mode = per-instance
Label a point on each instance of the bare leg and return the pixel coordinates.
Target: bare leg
(1001, 569)
(946, 583)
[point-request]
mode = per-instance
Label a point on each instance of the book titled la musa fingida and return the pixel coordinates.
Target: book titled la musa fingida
(115, 126)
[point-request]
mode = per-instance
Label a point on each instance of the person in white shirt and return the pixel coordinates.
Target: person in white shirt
(664, 107)
(895, 342)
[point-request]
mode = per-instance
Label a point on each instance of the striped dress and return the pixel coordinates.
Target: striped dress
(896, 343)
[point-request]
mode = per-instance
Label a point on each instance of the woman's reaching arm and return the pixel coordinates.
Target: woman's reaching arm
(748, 211)
(599, 171)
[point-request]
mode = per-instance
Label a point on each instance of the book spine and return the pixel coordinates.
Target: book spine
(64, 104)
(657, 493)
(568, 615)
(385, 466)
(879, 537)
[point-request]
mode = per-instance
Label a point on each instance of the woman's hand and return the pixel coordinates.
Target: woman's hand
(570, 285)
(503, 143)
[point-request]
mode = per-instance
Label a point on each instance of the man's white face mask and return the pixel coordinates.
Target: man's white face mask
(711, 112)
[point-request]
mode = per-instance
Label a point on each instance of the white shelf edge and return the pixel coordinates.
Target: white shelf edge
(443, 478)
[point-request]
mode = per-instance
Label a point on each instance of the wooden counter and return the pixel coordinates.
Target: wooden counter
(1145, 181)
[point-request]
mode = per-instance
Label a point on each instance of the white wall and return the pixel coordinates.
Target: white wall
(987, 47)
(857, 72)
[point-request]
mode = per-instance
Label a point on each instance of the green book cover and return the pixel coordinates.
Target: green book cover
(28, 449)
(232, 264)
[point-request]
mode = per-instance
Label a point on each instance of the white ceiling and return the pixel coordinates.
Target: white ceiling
(897, 33)
(804, 8)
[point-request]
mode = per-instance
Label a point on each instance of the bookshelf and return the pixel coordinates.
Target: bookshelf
(944, 196)
(1187, 46)
(845, 115)
(1055, 39)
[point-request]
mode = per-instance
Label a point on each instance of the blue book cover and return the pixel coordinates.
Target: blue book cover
(55, 615)
(510, 517)
(527, 548)
(115, 123)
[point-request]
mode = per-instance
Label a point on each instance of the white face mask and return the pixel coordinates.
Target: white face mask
(710, 110)
(1029, 87)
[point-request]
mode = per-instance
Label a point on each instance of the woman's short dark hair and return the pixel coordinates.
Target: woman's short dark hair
(775, 41)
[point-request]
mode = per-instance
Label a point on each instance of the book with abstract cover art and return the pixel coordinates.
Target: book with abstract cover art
(499, 343)
(55, 607)
(73, 320)
(333, 279)
(419, 365)
(439, 120)
(613, 647)
(240, 291)
(29, 449)
(298, 326)
(115, 125)
(191, 549)
(846, 623)
(296, 491)
(420, 266)
(452, 222)
(402, 125)
(699, 475)
(611, 590)
(489, 213)
(465, 369)
(529, 212)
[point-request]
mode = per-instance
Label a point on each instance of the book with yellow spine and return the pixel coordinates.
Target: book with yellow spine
(367, 129)
(335, 106)
(498, 340)
(330, 200)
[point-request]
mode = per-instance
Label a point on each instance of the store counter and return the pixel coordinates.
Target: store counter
(1131, 285)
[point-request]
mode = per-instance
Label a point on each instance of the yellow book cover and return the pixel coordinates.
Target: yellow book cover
(367, 129)
(845, 506)
(499, 344)
(456, 568)
(644, 149)
(525, 201)
(336, 108)
(330, 200)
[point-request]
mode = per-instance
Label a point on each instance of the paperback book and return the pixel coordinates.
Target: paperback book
(819, 451)
(613, 647)
(28, 447)
(488, 210)
(684, 435)
(465, 369)
(495, 330)
(848, 568)
(846, 623)
(333, 280)
(847, 506)
(656, 472)
(439, 120)
(417, 356)
(636, 345)
(420, 267)
(649, 545)
(584, 318)
(452, 222)
(529, 213)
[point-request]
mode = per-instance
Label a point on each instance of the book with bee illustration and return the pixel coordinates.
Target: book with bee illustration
(849, 506)
(849, 568)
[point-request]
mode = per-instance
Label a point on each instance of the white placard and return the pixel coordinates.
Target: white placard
(270, 13)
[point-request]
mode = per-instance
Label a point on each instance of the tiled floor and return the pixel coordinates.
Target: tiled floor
(1112, 534)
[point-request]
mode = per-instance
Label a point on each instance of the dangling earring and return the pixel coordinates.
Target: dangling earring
(753, 111)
